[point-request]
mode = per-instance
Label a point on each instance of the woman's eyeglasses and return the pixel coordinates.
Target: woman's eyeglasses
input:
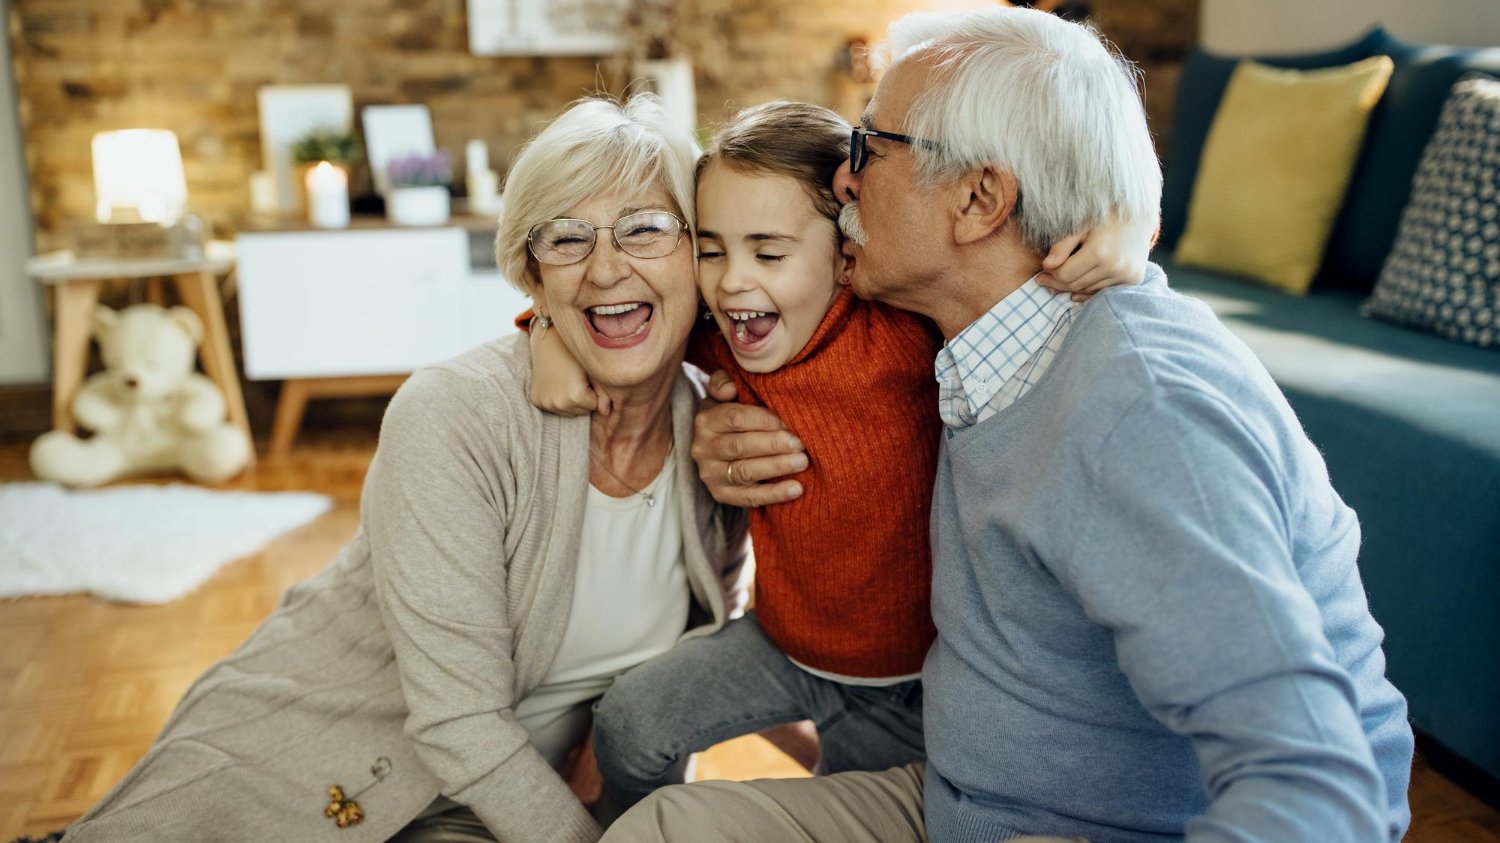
(649, 234)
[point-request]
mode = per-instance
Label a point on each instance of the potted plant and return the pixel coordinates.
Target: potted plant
(419, 189)
(341, 149)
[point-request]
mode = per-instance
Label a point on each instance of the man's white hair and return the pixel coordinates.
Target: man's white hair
(1044, 99)
(597, 145)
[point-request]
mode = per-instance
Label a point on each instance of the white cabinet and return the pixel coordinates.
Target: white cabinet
(375, 301)
(340, 313)
(491, 306)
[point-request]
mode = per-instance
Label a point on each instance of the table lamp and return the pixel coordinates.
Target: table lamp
(138, 177)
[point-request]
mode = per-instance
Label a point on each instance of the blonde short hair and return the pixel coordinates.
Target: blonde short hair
(598, 144)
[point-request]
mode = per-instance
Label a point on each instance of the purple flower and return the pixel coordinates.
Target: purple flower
(419, 169)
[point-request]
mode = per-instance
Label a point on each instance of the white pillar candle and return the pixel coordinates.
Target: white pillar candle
(262, 192)
(476, 157)
(484, 188)
(327, 196)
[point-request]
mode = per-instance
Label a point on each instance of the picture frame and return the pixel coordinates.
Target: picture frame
(546, 27)
(289, 113)
(392, 131)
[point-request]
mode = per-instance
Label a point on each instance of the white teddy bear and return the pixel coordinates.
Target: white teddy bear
(149, 410)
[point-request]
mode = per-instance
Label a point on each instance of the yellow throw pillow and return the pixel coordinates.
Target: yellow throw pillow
(1275, 167)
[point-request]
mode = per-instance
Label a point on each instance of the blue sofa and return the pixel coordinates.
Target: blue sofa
(1409, 422)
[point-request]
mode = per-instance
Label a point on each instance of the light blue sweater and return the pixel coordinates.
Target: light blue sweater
(1150, 622)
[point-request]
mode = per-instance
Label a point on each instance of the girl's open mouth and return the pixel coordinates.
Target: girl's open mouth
(619, 325)
(750, 329)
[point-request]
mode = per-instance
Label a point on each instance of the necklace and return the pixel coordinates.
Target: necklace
(648, 497)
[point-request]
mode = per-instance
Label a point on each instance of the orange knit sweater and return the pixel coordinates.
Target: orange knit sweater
(844, 573)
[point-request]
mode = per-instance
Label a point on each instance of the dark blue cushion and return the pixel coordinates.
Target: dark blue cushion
(1443, 274)
(1400, 127)
(1204, 78)
(1409, 425)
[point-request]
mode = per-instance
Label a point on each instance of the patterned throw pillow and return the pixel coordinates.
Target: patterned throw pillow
(1443, 274)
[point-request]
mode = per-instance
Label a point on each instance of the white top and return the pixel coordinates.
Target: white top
(630, 602)
(862, 681)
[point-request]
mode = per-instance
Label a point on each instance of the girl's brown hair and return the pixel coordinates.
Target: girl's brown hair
(796, 139)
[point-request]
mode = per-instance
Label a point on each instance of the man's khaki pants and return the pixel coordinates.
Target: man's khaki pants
(883, 807)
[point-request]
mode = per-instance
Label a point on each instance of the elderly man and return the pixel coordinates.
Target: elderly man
(1150, 621)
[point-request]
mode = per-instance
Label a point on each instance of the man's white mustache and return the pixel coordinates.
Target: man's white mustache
(851, 225)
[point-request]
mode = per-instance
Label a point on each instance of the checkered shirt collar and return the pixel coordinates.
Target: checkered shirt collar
(973, 366)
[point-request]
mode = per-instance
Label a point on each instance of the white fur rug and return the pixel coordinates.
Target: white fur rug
(139, 544)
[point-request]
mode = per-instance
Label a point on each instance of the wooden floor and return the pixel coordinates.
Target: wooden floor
(85, 684)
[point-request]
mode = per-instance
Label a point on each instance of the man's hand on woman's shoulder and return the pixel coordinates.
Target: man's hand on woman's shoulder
(744, 453)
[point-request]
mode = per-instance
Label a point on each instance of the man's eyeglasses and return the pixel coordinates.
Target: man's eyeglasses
(859, 155)
(649, 234)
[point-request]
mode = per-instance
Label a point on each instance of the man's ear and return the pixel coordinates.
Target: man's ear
(984, 202)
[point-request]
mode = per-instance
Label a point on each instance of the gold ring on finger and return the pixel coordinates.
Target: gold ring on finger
(729, 472)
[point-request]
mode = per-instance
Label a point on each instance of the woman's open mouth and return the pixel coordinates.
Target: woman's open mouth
(619, 325)
(750, 329)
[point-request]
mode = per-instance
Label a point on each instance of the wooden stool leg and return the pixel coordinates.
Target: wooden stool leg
(156, 292)
(200, 292)
(70, 346)
(289, 409)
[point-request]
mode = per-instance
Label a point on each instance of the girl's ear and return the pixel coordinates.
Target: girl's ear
(844, 265)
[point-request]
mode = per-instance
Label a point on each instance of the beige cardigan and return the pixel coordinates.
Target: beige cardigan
(416, 642)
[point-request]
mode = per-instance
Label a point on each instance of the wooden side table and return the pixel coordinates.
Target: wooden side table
(77, 284)
(295, 393)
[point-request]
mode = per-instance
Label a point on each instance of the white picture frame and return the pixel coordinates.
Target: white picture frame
(392, 131)
(546, 27)
(288, 113)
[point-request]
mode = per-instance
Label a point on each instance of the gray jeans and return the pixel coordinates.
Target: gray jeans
(732, 683)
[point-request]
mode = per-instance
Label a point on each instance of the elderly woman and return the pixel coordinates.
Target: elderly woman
(509, 564)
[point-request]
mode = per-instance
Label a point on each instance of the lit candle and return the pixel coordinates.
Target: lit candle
(327, 196)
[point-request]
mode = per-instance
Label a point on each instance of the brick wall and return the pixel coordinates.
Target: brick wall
(194, 66)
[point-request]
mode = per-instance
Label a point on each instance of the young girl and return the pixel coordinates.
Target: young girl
(841, 622)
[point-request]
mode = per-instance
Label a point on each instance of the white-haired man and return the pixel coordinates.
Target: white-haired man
(1150, 621)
